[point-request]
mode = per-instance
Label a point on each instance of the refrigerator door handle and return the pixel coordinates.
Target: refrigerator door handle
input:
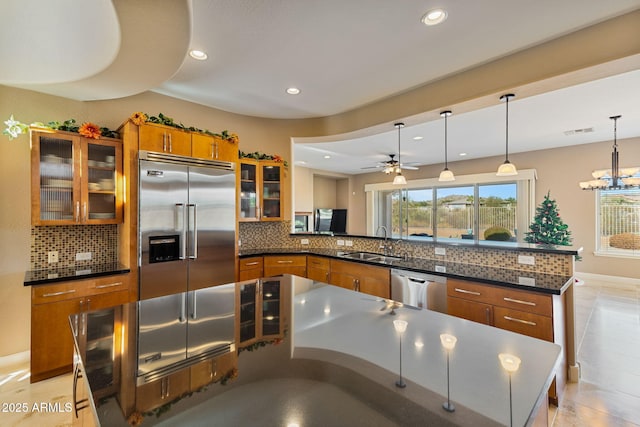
(180, 226)
(194, 226)
(183, 306)
(194, 304)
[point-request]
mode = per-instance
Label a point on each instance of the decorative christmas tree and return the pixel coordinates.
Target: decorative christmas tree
(547, 227)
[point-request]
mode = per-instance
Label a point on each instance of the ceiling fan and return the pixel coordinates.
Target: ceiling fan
(391, 165)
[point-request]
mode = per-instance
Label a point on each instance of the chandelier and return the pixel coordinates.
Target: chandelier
(616, 178)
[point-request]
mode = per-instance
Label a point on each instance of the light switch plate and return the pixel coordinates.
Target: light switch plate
(349, 242)
(83, 256)
(526, 259)
(304, 241)
(527, 281)
(441, 251)
(52, 256)
(340, 242)
(441, 269)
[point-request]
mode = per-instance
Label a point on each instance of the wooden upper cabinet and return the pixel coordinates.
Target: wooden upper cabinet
(165, 139)
(75, 180)
(213, 148)
(261, 190)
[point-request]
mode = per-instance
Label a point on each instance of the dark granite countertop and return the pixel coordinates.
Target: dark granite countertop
(463, 243)
(518, 279)
(65, 274)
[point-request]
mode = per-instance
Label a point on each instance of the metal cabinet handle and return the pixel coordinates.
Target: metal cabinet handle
(110, 285)
(526, 322)
(77, 211)
(55, 294)
(488, 313)
(194, 306)
(163, 393)
(170, 143)
(287, 261)
(76, 403)
(164, 142)
(168, 384)
(252, 263)
(464, 291)
(181, 317)
(84, 211)
(518, 301)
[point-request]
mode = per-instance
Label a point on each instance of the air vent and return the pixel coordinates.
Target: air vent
(578, 131)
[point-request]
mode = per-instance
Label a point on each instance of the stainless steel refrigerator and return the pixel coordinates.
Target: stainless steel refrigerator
(187, 211)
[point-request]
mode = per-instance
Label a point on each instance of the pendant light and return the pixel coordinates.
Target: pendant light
(446, 175)
(399, 178)
(507, 168)
(611, 179)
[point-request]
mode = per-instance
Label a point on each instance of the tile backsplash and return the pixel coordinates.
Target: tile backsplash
(68, 240)
(264, 235)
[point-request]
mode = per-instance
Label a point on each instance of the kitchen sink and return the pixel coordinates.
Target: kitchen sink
(369, 256)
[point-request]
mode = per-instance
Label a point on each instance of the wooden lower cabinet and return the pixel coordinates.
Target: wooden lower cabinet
(51, 306)
(318, 268)
(364, 278)
(250, 268)
(212, 370)
(275, 265)
(529, 313)
(162, 391)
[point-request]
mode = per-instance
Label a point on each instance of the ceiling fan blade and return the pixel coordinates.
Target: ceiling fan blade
(413, 168)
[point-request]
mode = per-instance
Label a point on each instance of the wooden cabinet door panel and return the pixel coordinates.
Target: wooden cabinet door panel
(319, 274)
(51, 339)
(524, 323)
(162, 391)
(470, 310)
(162, 139)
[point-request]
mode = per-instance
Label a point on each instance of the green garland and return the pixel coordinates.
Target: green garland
(161, 119)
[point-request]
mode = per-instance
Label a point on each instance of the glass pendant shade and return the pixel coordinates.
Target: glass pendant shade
(446, 176)
(507, 169)
(509, 362)
(399, 179)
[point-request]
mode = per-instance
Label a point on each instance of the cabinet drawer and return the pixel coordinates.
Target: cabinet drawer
(42, 294)
(103, 285)
(285, 260)
(533, 325)
(470, 291)
(318, 262)
(251, 263)
(523, 301)
(277, 270)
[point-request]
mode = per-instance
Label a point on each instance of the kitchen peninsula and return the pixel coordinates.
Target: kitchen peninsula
(524, 288)
(336, 341)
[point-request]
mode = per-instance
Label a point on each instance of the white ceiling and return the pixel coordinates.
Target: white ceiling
(341, 54)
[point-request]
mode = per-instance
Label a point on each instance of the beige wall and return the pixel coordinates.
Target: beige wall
(324, 192)
(559, 171)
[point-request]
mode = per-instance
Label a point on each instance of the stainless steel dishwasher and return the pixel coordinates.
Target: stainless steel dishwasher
(419, 289)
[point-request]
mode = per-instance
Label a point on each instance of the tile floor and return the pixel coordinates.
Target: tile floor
(608, 334)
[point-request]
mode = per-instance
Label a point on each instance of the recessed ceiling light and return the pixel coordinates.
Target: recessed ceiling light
(327, 156)
(198, 54)
(417, 138)
(462, 154)
(434, 17)
(293, 91)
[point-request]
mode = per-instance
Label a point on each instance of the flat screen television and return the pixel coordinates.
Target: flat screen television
(331, 220)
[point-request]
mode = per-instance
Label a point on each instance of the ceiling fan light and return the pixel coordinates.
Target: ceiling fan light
(507, 169)
(446, 176)
(399, 179)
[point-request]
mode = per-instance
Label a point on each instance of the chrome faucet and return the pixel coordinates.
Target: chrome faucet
(384, 246)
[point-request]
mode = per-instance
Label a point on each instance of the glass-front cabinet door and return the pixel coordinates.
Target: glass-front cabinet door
(101, 188)
(75, 180)
(271, 191)
(271, 308)
(55, 189)
(249, 204)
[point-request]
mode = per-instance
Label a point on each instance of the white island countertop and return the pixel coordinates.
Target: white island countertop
(329, 322)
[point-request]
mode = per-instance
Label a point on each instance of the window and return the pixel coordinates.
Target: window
(618, 223)
(479, 207)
